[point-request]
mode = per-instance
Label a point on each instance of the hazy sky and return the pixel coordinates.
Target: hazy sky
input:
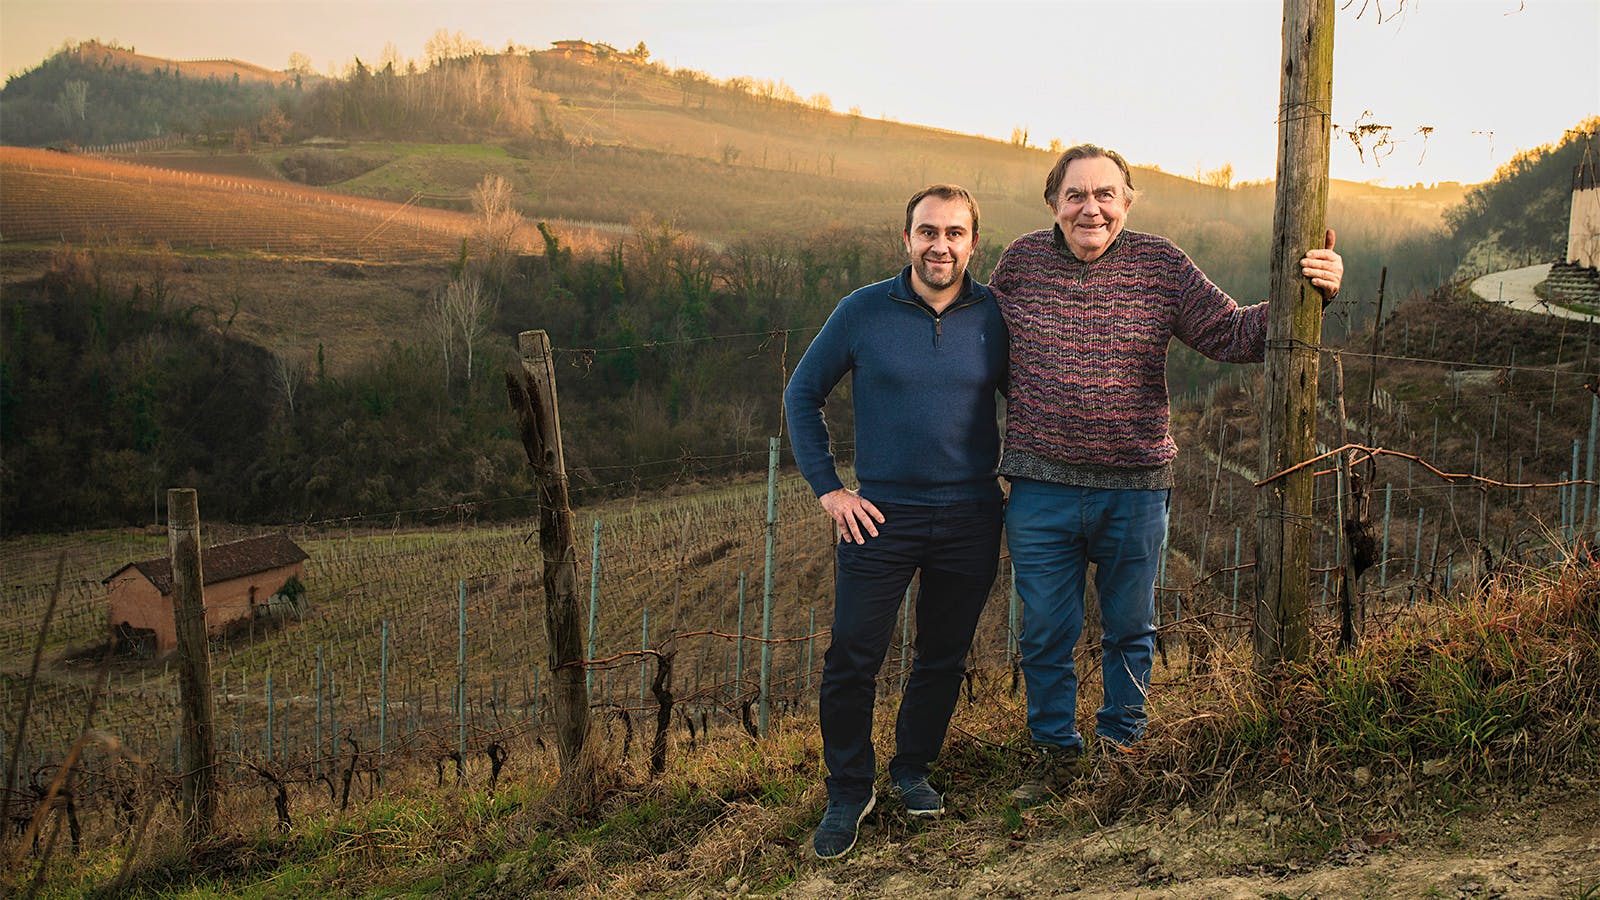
(1182, 85)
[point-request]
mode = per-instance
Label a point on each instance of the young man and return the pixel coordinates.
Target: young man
(927, 352)
(1091, 309)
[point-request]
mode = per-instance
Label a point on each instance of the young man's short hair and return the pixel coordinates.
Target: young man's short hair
(944, 192)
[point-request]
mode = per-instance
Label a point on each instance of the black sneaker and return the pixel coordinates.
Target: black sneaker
(836, 834)
(919, 797)
(1053, 768)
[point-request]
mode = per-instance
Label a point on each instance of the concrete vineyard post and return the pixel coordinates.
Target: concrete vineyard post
(1013, 613)
(383, 697)
(1588, 489)
(461, 675)
(905, 639)
(1383, 561)
(594, 607)
(738, 642)
(810, 636)
(316, 752)
(269, 716)
(766, 590)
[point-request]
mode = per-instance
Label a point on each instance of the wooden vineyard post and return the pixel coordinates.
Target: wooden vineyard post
(196, 761)
(533, 398)
(1294, 327)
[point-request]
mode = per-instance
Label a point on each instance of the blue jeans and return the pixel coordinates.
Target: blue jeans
(1054, 531)
(957, 548)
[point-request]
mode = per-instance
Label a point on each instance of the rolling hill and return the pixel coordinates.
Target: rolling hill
(109, 56)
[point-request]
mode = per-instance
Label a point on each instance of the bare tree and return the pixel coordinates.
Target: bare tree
(460, 317)
(496, 227)
(1221, 176)
(288, 376)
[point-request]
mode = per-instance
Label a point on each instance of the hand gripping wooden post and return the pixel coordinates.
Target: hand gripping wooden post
(533, 399)
(199, 777)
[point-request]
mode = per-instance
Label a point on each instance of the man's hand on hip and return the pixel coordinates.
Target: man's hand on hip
(851, 514)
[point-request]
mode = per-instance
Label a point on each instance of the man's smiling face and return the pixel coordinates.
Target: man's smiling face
(1091, 206)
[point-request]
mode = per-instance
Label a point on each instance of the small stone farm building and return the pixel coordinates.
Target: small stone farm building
(243, 580)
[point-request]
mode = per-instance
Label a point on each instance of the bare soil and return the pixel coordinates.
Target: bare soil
(1541, 842)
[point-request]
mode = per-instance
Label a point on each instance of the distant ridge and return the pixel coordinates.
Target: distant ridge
(95, 53)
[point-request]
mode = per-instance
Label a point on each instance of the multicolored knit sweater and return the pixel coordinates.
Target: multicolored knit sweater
(1088, 403)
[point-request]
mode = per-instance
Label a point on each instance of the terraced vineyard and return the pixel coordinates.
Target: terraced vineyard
(76, 199)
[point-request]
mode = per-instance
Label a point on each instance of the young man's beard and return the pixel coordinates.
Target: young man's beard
(925, 272)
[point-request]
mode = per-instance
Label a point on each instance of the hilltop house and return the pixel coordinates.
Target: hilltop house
(244, 580)
(583, 50)
(571, 49)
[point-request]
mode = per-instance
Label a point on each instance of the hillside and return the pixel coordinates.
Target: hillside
(601, 137)
(1215, 808)
(107, 56)
(94, 94)
(697, 233)
(61, 198)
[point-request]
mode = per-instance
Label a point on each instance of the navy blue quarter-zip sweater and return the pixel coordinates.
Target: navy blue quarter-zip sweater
(923, 387)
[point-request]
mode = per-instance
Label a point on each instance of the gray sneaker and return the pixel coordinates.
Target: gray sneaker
(836, 834)
(919, 797)
(1053, 768)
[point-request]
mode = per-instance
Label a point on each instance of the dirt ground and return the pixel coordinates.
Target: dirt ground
(1542, 842)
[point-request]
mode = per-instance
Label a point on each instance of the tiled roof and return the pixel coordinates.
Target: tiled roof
(224, 562)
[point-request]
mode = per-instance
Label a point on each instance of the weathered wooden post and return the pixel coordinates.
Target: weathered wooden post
(533, 398)
(1294, 328)
(198, 775)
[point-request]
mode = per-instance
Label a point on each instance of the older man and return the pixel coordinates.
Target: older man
(1091, 309)
(927, 352)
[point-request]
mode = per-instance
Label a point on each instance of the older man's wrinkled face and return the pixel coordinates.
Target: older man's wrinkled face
(1091, 206)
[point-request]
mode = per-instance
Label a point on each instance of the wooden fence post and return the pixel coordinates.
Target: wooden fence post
(533, 398)
(1294, 327)
(199, 778)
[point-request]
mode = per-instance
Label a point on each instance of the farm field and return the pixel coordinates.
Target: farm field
(54, 197)
(654, 568)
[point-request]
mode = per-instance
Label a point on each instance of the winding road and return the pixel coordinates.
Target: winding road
(1514, 288)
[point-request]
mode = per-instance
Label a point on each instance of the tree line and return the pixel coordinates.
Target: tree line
(114, 387)
(464, 92)
(66, 99)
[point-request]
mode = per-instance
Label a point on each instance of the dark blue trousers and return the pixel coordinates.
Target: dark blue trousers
(957, 549)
